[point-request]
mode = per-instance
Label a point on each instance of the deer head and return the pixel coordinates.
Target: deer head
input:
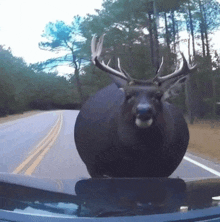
(142, 98)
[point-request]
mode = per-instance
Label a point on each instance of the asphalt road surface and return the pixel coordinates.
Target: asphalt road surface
(43, 145)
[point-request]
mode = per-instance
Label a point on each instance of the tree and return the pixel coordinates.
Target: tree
(21, 87)
(66, 40)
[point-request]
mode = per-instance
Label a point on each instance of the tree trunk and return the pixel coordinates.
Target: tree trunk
(204, 28)
(214, 95)
(188, 91)
(189, 51)
(151, 38)
(188, 100)
(202, 39)
(206, 32)
(78, 83)
(194, 100)
(177, 38)
(157, 59)
(167, 32)
(191, 29)
(173, 30)
(76, 74)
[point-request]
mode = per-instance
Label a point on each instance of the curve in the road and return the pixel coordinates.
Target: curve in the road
(33, 160)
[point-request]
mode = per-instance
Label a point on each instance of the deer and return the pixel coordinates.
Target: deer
(128, 129)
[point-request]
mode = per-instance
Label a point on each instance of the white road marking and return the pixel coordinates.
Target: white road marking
(202, 166)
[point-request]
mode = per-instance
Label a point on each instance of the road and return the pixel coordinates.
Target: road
(43, 146)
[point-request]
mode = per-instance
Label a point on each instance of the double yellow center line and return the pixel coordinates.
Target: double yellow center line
(36, 156)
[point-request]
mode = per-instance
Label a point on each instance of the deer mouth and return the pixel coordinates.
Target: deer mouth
(143, 123)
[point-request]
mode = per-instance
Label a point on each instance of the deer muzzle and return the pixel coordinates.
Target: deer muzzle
(144, 115)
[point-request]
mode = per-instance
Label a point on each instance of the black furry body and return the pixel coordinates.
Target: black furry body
(108, 146)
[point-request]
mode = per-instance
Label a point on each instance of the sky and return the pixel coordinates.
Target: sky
(23, 21)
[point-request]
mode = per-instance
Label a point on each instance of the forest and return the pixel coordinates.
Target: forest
(140, 33)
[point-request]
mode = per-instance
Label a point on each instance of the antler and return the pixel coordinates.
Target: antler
(184, 70)
(160, 70)
(96, 52)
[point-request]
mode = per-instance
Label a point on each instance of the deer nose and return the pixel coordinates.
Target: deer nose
(144, 110)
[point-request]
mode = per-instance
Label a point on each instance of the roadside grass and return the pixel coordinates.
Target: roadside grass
(205, 139)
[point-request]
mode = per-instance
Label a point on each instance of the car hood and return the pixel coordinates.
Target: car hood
(107, 197)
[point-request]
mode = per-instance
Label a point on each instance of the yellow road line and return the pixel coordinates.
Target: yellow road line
(31, 169)
(39, 147)
(34, 159)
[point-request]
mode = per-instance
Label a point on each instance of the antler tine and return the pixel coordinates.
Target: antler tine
(119, 65)
(96, 49)
(160, 70)
(96, 52)
(123, 71)
(108, 62)
(93, 48)
(193, 68)
(99, 45)
(184, 70)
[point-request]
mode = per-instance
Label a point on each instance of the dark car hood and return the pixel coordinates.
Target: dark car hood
(108, 197)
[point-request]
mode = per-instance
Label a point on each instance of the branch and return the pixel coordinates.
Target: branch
(67, 45)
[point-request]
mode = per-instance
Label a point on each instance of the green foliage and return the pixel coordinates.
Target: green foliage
(125, 22)
(57, 33)
(132, 35)
(21, 87)
(58, 37)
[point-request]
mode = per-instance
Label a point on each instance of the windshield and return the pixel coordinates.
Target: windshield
(144, 141)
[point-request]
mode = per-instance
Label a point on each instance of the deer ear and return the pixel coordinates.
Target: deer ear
(174, 89)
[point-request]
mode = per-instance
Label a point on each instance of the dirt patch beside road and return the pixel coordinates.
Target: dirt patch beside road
(18, 116)
(205, 140)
